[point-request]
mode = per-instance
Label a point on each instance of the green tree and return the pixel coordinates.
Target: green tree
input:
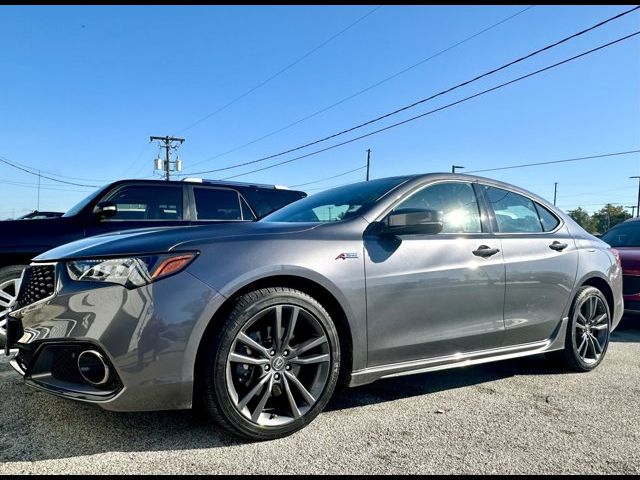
(583, 219)
(609, 216)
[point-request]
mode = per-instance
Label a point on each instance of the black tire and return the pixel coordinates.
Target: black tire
(7, 274)
(571, 357)
(217, 398)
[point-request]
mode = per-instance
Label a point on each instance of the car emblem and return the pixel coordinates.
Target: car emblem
(278, 363)
(345, 256)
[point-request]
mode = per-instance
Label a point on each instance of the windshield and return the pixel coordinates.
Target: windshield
(626, 235)
(77, 208)
(336, 204)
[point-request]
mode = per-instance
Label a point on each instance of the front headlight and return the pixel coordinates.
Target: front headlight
(130, 272)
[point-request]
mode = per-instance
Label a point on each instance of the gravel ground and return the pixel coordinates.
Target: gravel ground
(519, 416)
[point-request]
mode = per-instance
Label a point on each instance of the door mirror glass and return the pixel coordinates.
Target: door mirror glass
(414, 221)
(105, 210)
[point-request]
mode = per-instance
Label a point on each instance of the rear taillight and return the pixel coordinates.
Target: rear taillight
(616, 254)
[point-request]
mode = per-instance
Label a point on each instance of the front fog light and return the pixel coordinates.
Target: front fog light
(130, 272)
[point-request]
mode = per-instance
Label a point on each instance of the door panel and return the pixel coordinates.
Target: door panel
(539, 284)
(430, 297)
(541, 263)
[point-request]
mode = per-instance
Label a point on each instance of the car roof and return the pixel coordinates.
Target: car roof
(201, 181)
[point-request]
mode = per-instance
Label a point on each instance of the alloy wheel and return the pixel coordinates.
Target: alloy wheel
(591, 329)
(8, 294)
(278, 365)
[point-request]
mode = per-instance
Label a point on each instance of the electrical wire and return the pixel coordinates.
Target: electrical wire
(329, 178)
(280, 72)
(366, 89)
(444, 107)
(509, 167)
(4, 160)
(421, 101)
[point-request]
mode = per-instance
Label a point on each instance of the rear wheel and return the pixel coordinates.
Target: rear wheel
(9, 285)
(588, 330)
(273, 364)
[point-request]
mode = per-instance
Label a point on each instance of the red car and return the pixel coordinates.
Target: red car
(625, 237)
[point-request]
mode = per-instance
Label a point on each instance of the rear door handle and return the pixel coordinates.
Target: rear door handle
(485, 251)
(558, 246)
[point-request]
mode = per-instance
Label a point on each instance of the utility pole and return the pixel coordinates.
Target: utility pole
(633, 210)
(638, 204)
(168, 145)
(368, 162)
(555, 192)
(38, 206)
(453, 168)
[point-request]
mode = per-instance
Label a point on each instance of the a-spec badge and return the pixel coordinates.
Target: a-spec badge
(345, 256)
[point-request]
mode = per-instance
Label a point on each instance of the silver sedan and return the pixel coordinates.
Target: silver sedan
(256, 323)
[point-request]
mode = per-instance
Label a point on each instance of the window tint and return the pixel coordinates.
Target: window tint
(147, 202)
(266, 201)
(514, 213)
(337, 203)
(456, 201)
(247, 214)
(217, 204)
(624, 235)
(548, 219)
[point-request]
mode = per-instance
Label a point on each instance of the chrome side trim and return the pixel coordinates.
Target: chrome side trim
(368, 375)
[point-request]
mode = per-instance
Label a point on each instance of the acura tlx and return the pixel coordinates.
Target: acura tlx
(256, 323)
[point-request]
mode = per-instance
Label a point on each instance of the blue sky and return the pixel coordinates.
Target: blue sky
(82, 88)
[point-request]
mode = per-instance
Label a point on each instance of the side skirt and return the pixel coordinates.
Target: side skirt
(368, 375)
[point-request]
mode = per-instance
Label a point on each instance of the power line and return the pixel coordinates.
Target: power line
(329, 178)
(55, 174)
(419, 102)
(368, 88)
(449, 105)
(4, 160)
(280, 72)
(556, 161)
(35, 186)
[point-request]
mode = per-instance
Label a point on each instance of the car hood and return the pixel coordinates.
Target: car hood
(630, 258)
(164, 239)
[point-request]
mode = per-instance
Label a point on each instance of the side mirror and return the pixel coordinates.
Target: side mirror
(414, 221)
(105, 210)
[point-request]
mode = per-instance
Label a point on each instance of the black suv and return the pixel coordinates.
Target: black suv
(128, 204)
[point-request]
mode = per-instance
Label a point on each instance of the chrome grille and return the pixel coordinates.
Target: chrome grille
(38, 283)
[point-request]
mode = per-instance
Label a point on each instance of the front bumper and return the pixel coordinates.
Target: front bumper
(148, 336)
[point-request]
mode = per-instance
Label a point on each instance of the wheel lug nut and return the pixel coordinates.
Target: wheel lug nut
(267, 368)
(288, 367)
(277, 376)
(273, 352)
(286, 353)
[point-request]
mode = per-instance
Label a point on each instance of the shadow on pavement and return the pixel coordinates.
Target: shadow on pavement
(37, 426)
(628, 331)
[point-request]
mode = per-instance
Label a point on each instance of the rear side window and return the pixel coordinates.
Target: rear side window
(514, 213)
(217, 204)
(549, 221)
(147, 202)
(267, 201)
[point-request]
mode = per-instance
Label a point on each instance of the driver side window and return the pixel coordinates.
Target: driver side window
(457, 202)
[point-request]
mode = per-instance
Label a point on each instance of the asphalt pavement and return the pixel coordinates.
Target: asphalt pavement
(518, 416)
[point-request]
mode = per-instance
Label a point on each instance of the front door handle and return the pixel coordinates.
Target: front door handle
(558, 246)
(485, 251)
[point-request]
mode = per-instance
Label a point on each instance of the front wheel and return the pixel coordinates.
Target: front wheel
(588, 330)
(273, 365)
(9, 285)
